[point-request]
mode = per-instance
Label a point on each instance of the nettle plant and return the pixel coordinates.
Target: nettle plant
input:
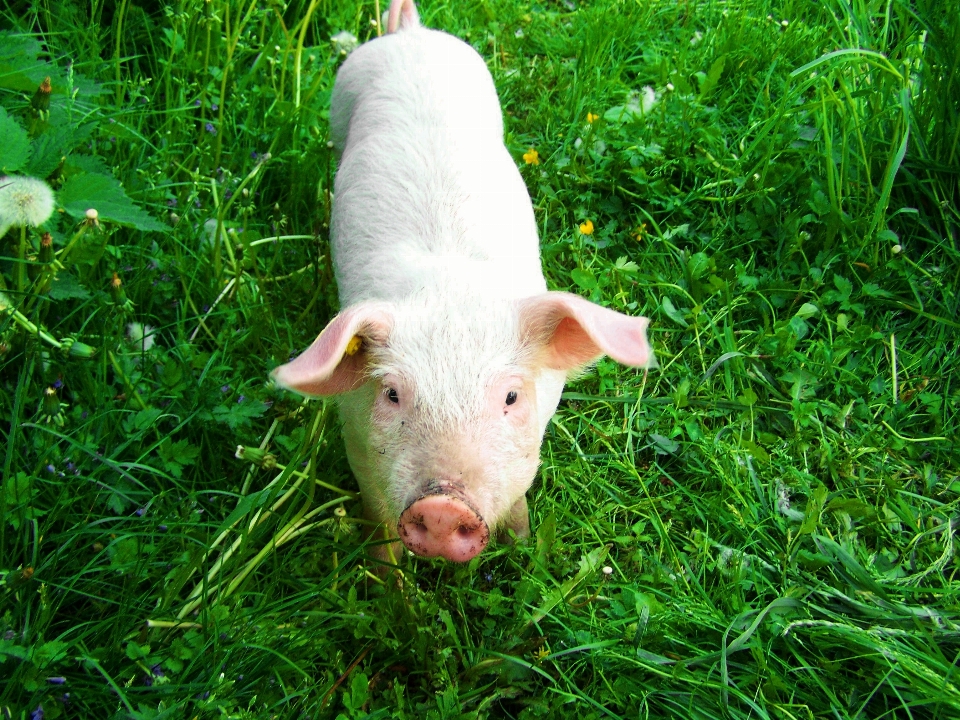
(60, 208)
(63, 219)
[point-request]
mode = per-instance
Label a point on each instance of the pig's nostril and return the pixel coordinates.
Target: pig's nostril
(443, 525)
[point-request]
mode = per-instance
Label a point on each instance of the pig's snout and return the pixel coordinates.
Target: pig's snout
(443, 525)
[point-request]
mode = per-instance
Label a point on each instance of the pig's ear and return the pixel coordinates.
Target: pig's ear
(336, 361)
(573, 331)
(402, 14)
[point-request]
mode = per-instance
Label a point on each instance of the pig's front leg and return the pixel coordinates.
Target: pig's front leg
(518, 520)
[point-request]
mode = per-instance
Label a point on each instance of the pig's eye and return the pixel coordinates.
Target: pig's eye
(392, 396)
(511, 397)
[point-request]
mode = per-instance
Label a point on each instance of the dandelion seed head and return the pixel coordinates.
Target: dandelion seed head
(24, 202)
(648, 98)
(141, 336)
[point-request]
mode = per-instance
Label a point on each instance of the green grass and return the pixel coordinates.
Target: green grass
(778, 503)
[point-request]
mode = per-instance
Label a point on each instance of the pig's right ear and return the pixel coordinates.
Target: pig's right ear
(336, 361)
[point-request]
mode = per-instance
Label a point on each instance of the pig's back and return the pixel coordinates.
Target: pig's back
(426, 194)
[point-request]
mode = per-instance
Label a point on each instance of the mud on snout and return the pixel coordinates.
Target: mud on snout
(441, 523)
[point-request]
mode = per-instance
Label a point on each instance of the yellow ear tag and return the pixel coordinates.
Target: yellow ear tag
(353, 345)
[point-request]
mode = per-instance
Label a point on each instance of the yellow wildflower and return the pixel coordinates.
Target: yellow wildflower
(586, 227)
(641, 231)
(531, 157)
(591, 118)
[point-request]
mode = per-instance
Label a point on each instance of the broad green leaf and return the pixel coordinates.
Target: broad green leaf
(757, 452)
(18, 489)
(15, 144)
(712, 77)
(105, 195)
(584, 278)
(77, 164)
(124, 552)
(66, 287)
(55, 144)
(672, 312)
(239, 414)
(664, 445)
(698, 265)
(807, 310)
(626, 266)
(22, 70)
(176, 455)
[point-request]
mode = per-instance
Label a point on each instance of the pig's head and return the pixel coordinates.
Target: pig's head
(444, 409)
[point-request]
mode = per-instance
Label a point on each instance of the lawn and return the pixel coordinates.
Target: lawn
(766, 526)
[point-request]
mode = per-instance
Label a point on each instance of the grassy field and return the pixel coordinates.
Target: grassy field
(764, 527)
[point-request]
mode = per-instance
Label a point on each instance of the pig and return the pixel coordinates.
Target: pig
(449, 355)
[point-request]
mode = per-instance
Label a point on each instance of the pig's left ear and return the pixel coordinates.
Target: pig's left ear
(336, 361)
(574, 332)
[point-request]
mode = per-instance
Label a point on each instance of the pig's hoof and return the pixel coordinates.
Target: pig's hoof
(445, 526)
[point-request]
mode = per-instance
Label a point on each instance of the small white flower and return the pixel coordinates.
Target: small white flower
(896, 249)
(141, 336)
(24, 201)
(669, 87)
(784, 23)
(697, 37)
(518, 33)
(607, 570)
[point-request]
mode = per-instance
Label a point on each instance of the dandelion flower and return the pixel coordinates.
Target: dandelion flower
(586, 227)
(24, 201)
(531, 157)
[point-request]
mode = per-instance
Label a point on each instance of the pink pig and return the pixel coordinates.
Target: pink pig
(449, 356)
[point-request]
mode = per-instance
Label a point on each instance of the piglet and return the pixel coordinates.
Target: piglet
(449, 355)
